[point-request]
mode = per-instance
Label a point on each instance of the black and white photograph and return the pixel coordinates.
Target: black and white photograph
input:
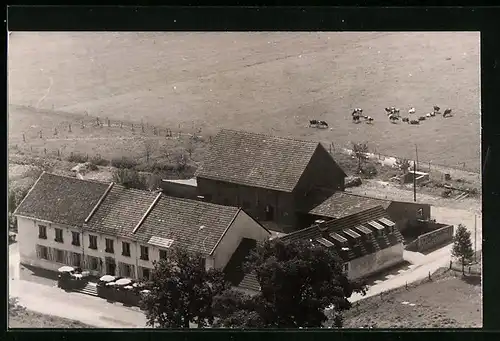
(178, 180)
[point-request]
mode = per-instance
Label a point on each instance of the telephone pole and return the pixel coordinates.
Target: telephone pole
(414, 181)
(416, 155)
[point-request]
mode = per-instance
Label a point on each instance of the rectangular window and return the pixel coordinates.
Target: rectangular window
(42, 231)
(109, 246)
(146, 273)
(94, 263)
(346, 267)
(125, 249)
(59, 235)
(59, 256)
(163, 254)
(75, 238)
(144, 253)
(43, 252)
(76, 259)
(92, 242)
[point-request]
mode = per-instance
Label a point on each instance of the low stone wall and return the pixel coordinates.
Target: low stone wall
(431, 239)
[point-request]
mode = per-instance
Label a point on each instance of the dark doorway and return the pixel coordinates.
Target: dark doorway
(110, 267)
(269, 213)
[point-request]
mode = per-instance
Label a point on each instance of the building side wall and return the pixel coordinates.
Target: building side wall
(242, 227)
(375, 262)
(321, 172)
(28, 239)
(405, 213)
(253, 200)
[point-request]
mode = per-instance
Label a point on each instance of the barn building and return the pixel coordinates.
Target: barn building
(368, 242)
(268, 176)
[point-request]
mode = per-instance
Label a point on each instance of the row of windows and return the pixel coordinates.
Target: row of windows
(42, 234)
(92, 263)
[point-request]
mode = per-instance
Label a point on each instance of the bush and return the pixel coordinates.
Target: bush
(93, 167)
(446, 193)
(123, 163)
(130, 178)
(78, 158)
(370, 170)
(98, 160)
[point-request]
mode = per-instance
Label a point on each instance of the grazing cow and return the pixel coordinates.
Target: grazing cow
(414, 122)
(313, 123)
(436, 108)
(393, 118)
(322, 124)
(432, 114)
(447, 112)
(428, 115)
(368, 119)
(388, 111)
(411, 111)
(406, 119)
(421, 118)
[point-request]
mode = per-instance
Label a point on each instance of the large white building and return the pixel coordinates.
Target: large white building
(109, 229)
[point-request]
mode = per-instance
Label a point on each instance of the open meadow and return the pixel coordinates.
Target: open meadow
(262, 82)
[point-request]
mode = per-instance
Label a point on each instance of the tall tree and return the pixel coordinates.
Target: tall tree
(462, 246)
(403, 164)
(182, 291)
(130, 178)
(298, 282)
(360, 150)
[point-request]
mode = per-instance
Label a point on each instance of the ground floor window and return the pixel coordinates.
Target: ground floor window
(59, 256)
(146, 273)
(76, 259)
(346, 267)
(126, 270)
(93, 263)
(42, 252)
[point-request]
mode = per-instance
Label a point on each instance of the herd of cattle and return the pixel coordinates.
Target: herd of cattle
(393, 114)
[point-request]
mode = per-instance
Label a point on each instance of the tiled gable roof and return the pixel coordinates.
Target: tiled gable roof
(181, 220)
(120, 211)
(61, 199)
(367, 245)
(257, 160)
(341, 204)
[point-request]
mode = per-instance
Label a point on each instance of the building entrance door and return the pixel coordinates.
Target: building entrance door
(110, 267)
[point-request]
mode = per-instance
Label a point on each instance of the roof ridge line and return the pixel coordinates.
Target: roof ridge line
(147, 213)
(75, 178)
(101, 199)
(269, 135)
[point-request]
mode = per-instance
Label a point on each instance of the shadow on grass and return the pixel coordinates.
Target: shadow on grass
(472, 279)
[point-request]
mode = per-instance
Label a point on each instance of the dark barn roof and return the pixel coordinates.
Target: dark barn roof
(61, 199)
(257, 160)
(352, 230)
(339, 204)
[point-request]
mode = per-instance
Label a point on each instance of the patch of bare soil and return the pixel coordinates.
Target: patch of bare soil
(448, 301)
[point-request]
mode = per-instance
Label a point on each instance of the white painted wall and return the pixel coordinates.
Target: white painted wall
(242, 227)
(28, 239)
(375, 262)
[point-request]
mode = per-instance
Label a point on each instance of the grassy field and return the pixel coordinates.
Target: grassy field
(19, 317)
(448, 301)
(263, 82)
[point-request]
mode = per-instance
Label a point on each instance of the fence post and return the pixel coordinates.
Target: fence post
(24, 138)
(429, 275)
(132, 127)
(109, 123)
(41, 134)
(69, 128)
(55, 131)
(406, 285)
(58, 153)
(451, 264)
(31, 148)
(121, 125)
(45, 151)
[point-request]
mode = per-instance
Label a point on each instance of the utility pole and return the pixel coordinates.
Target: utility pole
(414, 181)
(416, 155)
